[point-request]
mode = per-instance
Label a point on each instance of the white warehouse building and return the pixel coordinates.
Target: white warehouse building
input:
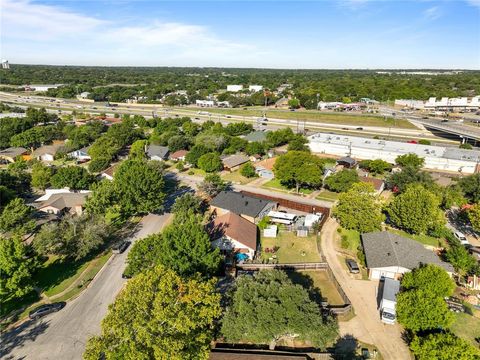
(436, 157)
(445, 103)
(234, 88)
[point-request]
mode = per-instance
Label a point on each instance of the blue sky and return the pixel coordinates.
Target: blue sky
(270, 34)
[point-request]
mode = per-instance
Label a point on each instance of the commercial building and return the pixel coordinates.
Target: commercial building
(234, 88)
(41, 87)
(444, 104)
(436, 157)
(255, 88)
(205, 103)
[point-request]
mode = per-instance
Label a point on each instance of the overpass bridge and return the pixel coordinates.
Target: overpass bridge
(463, 131)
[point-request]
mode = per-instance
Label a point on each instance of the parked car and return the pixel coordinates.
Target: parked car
(46, 309)
(120, 247)
(463, 240)
(352, 266)
(359, 128)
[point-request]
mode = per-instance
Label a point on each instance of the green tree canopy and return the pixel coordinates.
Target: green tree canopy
(443, 346)
(358, 209)
(140, 186)
(16, 269)
(410, 160)
(416, 210)
(399, 181)
(376, 167)
(41, 175)
(195, 153)
(269, 307)
(137, 151)
(430, 278)
(474, 216)
(210, 162)
(159, 315)
(17, 217)
(299, 168)
(342, 181)
(248, 170)
(471, 187)
(187, 205)
(73, 177)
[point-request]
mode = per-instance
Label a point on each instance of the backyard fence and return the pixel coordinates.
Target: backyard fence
(293, 266)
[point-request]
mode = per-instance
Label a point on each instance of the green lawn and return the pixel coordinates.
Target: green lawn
(424, 239)
(292, 249)
(467, 326)
(317, 116)
(276, 185)
(319, 282)
(328, 195)
(56, 275)
(350, 240)
(236, 177)
(195, 172)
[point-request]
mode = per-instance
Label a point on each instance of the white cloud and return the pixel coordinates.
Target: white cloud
(432, 13)
(474, 3)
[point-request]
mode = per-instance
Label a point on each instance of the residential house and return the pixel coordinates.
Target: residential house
(156, 152)
(178, 155)
(251, 208)
(282, 103)
(232, 233)
(80, 154)
(46, 153)
(108, 173)
(255, 158)
(63, 203)
(347, 162)
(263, 172)
(11, 154)
(391, 255)
(378, 184)
(233, 162)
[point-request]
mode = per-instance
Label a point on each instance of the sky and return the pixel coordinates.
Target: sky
(337, 34)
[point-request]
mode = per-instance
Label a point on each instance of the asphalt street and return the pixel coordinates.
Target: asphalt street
(63, 335)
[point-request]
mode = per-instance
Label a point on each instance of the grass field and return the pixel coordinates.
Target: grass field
(317, 116)
(292, 249)
(322, 284)
(236, 177)
(350, 240)
(276, 185)
(328, 195)
(467, 326)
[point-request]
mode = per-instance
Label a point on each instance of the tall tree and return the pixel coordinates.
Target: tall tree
(416, 210)
(269, 307)
(299, 168)
(16, 269)
(140, 186)
(342, 181)
(443, 346)
(41, 176)
(358, 209)
(213, 184)
(210, 162)
(186, 248)
(187, 205)
(73, 177)
(159, 315)
(474, 216)
(471, 187)
(17, 217)
(399, 181)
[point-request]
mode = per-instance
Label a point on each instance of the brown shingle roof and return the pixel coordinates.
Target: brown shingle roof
(110, 171)
(65, 200)
(377, 183)
(235, 227)
(235, 160)
(178, 154)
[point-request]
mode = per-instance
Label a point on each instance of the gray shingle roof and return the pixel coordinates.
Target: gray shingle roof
(383, 249)
(235, 160)
(156, 150)
(239, 203)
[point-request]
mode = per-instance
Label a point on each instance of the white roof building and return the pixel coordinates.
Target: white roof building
(234, 88)
(255, 88)
(436, 157)
(205, 103)
(444, 103)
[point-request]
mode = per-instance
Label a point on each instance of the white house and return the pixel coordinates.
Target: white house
(205, 103)
(80, 154)
(232, 233)
(234, 88)
(389, 255)
(46, 153)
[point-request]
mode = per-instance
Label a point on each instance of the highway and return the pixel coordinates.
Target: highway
(147, 110)
(63, 335)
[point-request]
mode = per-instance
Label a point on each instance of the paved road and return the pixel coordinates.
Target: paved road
(193, 182)
(63, 335)
(366, 325)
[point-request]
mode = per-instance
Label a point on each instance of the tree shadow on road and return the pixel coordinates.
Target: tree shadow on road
(17, 337)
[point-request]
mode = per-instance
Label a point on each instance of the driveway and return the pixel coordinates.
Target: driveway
(366, 325)
(63, 335)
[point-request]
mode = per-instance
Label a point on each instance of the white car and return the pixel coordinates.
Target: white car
(463, 240)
